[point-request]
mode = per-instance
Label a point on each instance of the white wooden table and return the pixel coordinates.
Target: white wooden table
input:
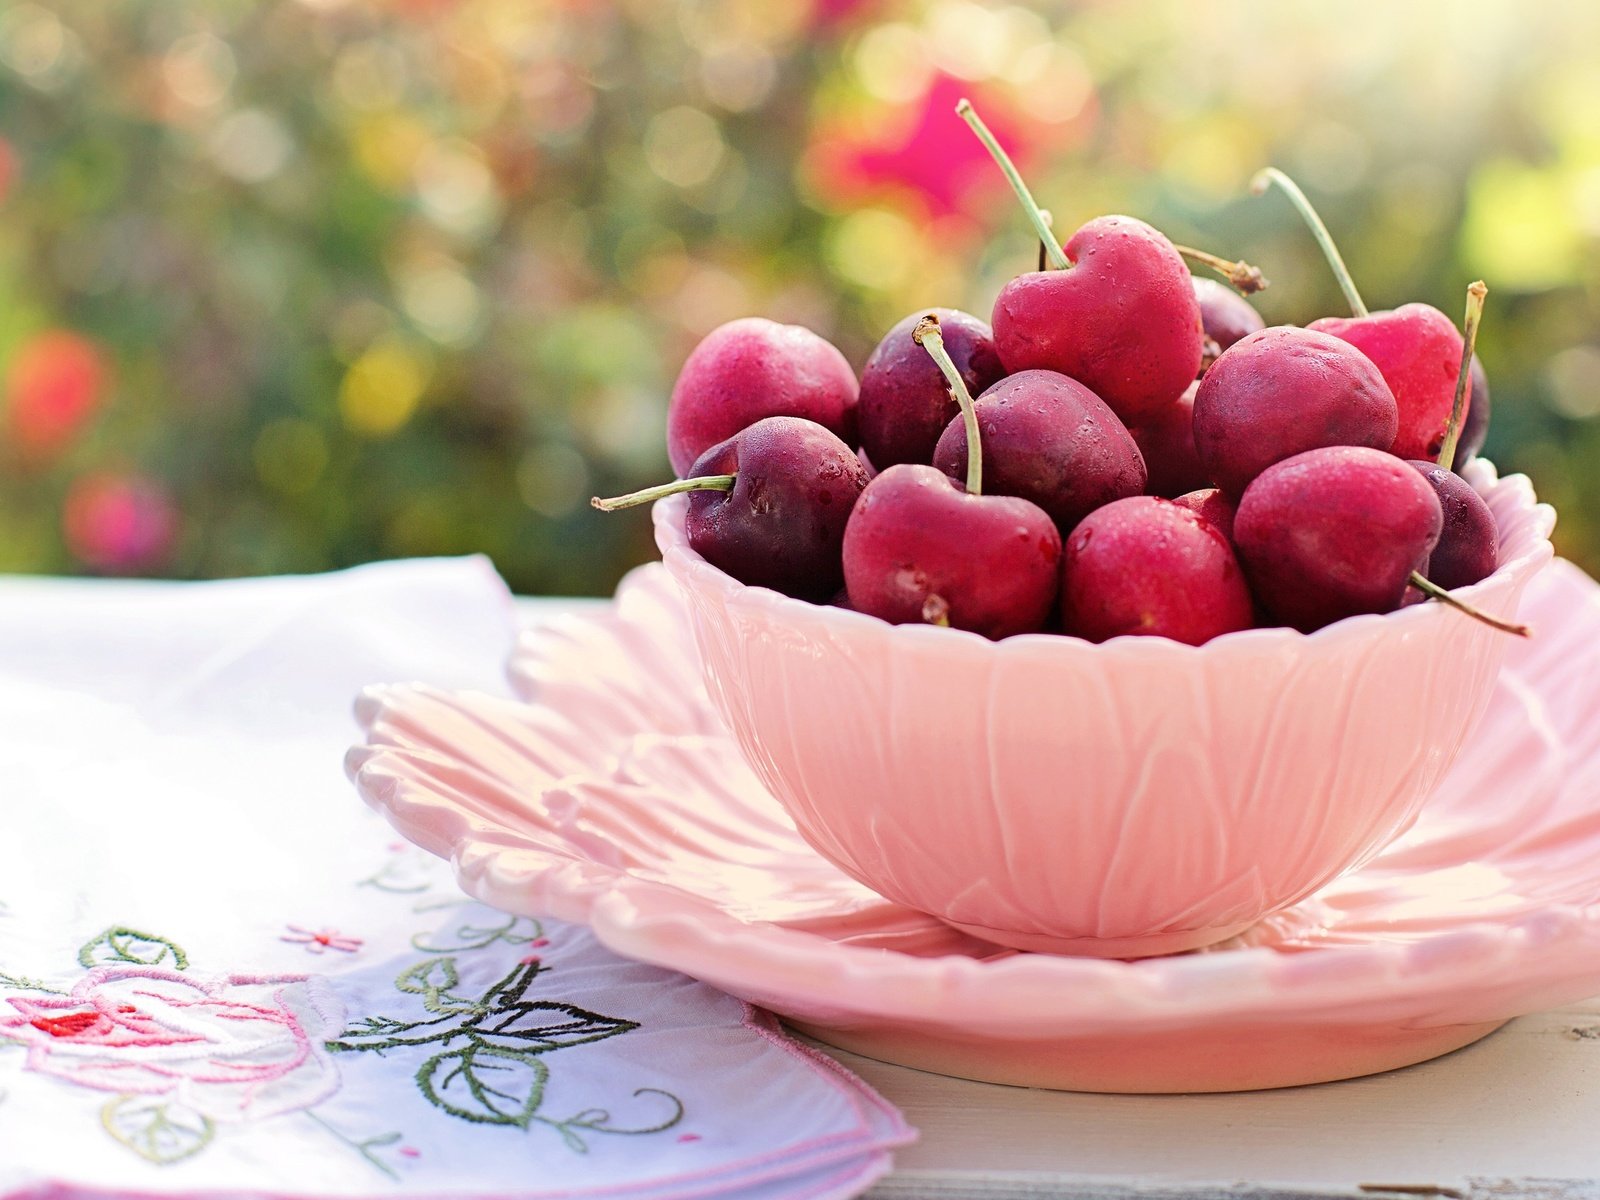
(1514, 1117)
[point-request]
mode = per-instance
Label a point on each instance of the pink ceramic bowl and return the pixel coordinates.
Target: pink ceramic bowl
(1132, 798)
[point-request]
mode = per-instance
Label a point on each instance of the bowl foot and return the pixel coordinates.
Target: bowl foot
(1241, 1058)
(1144, 946)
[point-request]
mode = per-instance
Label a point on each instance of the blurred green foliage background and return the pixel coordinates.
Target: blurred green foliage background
(289, 286)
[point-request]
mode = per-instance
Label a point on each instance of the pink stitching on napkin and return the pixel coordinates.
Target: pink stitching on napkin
(118, 1028)
(319, 940)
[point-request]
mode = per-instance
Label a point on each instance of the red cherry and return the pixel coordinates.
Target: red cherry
(1334, 532)
(754, 368)
(921, 548)
(1280, 392)
(1118, 313)
(1146, 566)
(1213, 505)
(1417, 348)
(1166, 440)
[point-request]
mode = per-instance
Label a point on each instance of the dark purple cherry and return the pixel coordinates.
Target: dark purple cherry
(1225, 316)
(1146, 566)
(1475, 425)
(1048, 439)
(1334, 532)
(905, 402)
(769, 505)
(1166, 441)
(921, 547)
(1282, 391)
(754, 368)
(1469, 544)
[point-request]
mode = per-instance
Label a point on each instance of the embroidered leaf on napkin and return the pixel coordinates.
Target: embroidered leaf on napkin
(155, 1129)
(484, 1083)
(120, 944)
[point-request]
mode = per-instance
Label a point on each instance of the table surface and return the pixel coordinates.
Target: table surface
(1513, 1117)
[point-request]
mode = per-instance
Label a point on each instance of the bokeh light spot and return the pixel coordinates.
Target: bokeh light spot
(553, 479)
(251, 145)
(199, 69)
(874, 248)
(683, 146)
(381, 389)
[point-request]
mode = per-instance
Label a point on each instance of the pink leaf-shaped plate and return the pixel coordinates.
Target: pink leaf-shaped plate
(613, 796)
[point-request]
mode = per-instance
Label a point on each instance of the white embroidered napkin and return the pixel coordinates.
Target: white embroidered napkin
(220, 973)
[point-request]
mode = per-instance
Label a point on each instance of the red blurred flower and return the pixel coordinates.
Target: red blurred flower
(831, 16)
(922, 150)
(55, 383)
(120, 524)
(8, 167)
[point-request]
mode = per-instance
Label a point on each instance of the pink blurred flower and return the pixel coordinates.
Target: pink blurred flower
(54, 385)
(831, 16)
(921, 151)
(119, 523)
(235, 1049)
(8, 167)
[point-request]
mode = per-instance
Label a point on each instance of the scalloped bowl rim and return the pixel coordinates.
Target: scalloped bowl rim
(672, 539)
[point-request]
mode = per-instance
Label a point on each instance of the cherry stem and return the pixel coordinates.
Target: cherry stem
(702, 483)
(1241, 276)
(927, 335)
(1469, 338)
(1271, 175)
(1044, 246)
(1425, 585)
(1041, 223)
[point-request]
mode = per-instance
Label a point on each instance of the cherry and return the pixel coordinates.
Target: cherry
(1333, 532)
(1469, 543)
(1338, 531)
(1415, 346)
(754, 368)
(1213, 505)
(920, 547)
(769, 505)
(1475, 426)
(1469, 546)
(1118, 313)
(1166, 440)
(1048, 439)
(1225, 316)
(1146, 566)
(1281, 391)
(905, 403)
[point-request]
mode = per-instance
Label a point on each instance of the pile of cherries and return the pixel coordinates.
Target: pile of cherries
(1142, 457)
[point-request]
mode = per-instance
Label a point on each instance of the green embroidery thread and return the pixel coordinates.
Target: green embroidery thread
(597, 1120)
(24, 984)
(488, 1067)
(121, 944)
(364, 1146)
(478, 937)
(156, 1130)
